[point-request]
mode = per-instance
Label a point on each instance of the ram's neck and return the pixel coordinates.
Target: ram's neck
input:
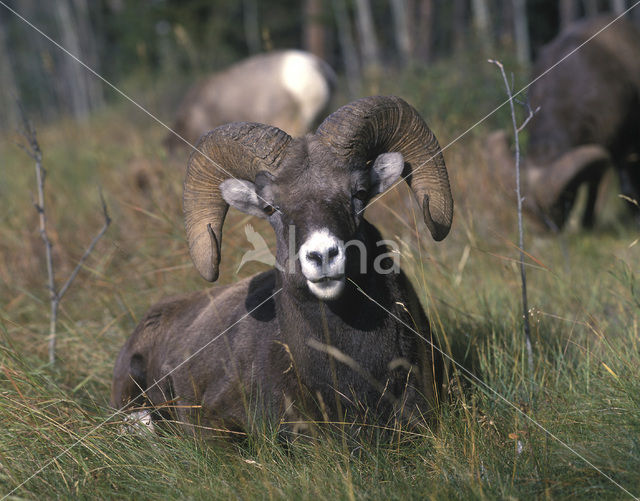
(354, 324)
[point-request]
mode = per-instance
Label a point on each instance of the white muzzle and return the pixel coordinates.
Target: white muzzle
(322, 258)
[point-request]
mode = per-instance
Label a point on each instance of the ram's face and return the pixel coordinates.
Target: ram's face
(315, 204)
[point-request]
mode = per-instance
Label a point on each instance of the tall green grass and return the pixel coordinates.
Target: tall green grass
(585, 310)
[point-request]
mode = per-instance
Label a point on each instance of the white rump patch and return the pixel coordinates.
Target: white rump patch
(303, 78)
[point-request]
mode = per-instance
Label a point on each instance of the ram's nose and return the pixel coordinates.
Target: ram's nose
(322, 255)
(322, 259)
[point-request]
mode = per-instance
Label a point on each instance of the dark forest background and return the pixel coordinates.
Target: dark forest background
(160, 46)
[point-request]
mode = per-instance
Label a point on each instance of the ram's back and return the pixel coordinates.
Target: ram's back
(286, 89)
(592, 94)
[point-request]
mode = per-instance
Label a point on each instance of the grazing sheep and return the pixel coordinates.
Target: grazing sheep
(301, 341)
(589, 118)
(286, 89)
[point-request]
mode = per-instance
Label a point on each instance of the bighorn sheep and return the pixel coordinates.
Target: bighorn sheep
(589, 117)
(286, 89)
(301, 339)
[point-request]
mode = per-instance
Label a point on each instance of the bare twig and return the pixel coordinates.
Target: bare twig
(89, 250)
(32, 148)
(523, 275)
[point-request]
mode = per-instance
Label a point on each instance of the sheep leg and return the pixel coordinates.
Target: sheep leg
(588, 217)
(630, 183)
(630, 179)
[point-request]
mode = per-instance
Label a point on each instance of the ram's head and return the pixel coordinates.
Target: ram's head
(318, 185)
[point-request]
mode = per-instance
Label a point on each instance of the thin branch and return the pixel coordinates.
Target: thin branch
(32, 148)
(523, 275)
(528, 119)
(26, 149)
(35, 153)
(89, 250)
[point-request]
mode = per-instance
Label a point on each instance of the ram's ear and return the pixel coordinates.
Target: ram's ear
(385, 171)
(242, 195)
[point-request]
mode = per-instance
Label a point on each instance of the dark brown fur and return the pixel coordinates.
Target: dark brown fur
(592, 97)
(261, 343)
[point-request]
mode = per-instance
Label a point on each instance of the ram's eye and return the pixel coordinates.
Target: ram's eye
(269, 210)
(361, 195)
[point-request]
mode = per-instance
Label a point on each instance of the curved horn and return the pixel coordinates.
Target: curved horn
(379, 124)
(237, 150)
(544, 185)
(547, 184)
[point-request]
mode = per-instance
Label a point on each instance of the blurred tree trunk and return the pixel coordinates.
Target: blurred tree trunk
(37, 69)
(481, 24)
(9, 96)
(590, 7)
(618, 6)
(72, 78)
(506, 23)
(347, 47)
(367, 36)
(459, 25)
(521, 31)
(87, 36)
(251, 25)
(568, 12)
(314, 30)
(424, 30)
(401, 29)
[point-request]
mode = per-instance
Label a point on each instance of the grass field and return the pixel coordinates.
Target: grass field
(584, 297)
